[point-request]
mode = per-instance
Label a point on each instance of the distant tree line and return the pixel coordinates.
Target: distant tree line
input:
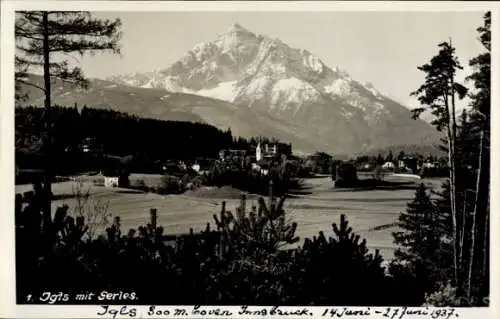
(116, 134)
(120, 135)
(249, 144)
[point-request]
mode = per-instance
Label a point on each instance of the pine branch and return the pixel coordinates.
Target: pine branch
(85, 27)
(30, 84)
(82, 45)
(33, 18)
(20, 32)
(32, 49)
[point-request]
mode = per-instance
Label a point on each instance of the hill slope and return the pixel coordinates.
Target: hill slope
(158, 104)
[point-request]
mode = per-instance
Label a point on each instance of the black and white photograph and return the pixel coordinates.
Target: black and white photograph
(249, 158)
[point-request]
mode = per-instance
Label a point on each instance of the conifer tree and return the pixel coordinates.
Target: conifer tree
(401, 155)
(481, 121)
(390, 157)
(45, 40)
(423, 243)
(439, 93)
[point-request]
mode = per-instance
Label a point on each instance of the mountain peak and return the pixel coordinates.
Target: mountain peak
(236, 31)
(236, 27)
(266, 76)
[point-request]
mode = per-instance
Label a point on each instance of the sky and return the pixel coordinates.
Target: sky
(383, 48)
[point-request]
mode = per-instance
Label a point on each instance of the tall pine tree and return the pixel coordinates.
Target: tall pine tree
(439, 93)
(478, 259)
(45, 40)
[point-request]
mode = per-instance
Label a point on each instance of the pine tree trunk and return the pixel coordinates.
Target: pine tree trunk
(222, 230)
(474, 214)
(462, 228)
(452, 202)
(452, 125)
(47, 215)
(473, 226)
(451, 163)
(486, 246)
(453, 207)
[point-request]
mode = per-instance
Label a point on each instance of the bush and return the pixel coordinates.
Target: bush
(253, 181)
(196, 182)
(170, 185)
(445, 296)
(94, 212)
(140, 184)
(341, 261)
(345, 175)
(124, 180)
(426, 172)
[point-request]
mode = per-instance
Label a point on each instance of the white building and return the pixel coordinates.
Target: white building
(258, 153)
(428, 165)
(266, 150)
(111, 181)
(388, 165)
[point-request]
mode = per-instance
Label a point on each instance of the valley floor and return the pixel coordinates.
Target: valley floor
(371, 213)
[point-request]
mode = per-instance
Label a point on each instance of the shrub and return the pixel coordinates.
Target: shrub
(140, 184)
(340, 261)
(94, 212)
(252, 181)
(124, 180)
(170, 185)
(444, 296)
(345, 175)
(196, 182)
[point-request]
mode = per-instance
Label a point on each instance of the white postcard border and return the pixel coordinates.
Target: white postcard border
(8, 307)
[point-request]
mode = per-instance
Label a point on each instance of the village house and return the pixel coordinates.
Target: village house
(408, 162)
(388, 165)
(401, 164)
(87, 145)
(111, 181)
(227, 155)
(196, 167)
(111, 177)
(320, 162)
(272, 151)
(428, 165)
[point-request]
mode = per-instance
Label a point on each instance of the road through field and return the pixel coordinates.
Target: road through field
(371, 213)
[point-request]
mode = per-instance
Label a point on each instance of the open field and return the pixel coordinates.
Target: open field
(367, 210)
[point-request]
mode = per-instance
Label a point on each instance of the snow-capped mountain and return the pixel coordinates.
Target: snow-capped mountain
(265, 74)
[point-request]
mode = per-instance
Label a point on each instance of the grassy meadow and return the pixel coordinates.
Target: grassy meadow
(371, 213)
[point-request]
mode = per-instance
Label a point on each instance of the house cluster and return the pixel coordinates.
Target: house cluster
(228, 155)
(179, 168)
(319, 163)
(87, 145)
(272, 151)
(410, 163)
(260, 157)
